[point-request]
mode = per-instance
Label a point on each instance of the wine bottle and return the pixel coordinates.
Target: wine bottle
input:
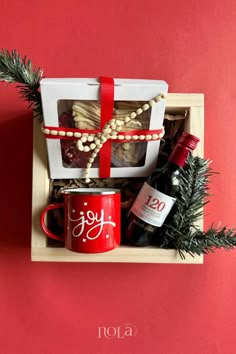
(156, 197)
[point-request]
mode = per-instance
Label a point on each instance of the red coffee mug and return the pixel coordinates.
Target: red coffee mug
(91, 219)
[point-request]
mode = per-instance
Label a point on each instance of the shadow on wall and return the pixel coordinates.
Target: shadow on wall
(16, 180)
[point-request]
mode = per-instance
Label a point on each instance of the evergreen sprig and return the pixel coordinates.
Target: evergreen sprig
(205, 242)
(181, 231)
(14, 69)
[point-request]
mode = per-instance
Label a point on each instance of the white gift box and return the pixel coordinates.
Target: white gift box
(60, 95)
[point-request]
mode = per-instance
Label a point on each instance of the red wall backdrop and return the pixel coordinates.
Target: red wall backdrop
(177, 309)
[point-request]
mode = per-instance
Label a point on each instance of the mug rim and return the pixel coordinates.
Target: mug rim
(90, 191)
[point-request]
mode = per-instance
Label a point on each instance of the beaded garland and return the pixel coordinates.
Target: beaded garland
(111, 130)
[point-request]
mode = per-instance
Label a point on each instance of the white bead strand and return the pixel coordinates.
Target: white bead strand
(111, 130)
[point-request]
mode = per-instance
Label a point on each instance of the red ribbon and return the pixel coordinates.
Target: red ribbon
(107, 105)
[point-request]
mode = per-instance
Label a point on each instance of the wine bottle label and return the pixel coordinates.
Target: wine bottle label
(152, 206)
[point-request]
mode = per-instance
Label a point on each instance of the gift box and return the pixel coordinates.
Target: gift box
(183, 112)
(102, 127)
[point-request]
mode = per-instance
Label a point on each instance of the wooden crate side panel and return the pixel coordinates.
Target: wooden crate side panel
(121, 254)
(40, 186)
(184, 100)
(195, 125)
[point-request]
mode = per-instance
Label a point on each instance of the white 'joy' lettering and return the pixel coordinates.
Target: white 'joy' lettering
(90, 218)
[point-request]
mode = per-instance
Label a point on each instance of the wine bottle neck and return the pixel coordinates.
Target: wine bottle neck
(179, 155)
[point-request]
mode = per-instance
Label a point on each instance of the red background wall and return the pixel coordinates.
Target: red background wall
(177, 309)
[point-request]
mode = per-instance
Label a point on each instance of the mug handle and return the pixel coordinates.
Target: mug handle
(43, 225)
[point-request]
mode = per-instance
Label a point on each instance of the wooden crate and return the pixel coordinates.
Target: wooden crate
(40, 249)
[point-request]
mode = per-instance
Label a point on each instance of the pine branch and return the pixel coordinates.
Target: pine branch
(180, 231)
(191, 198)
(14, 69)
(205, 242)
